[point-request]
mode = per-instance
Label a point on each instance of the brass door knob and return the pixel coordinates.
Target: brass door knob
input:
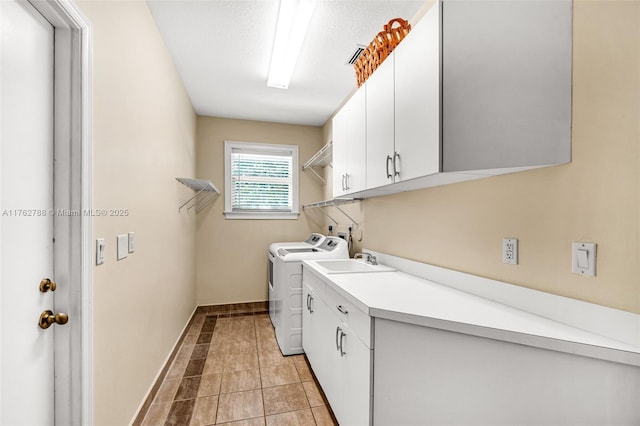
(48, 317)
(46, 284)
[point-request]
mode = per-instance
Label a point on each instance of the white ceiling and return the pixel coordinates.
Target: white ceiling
(222, 50)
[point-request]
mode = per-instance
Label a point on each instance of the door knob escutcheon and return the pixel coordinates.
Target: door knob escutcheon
(46, 284)
(48, 317)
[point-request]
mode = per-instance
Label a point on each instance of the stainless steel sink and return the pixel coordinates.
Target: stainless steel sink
(350, 266)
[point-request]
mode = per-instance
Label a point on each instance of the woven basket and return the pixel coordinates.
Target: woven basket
(380, 47)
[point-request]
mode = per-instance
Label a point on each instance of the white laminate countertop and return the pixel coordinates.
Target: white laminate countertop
(402, 297)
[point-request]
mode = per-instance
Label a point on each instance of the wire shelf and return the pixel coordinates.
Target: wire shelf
(321, 158)
(336, 202)
(206, 193)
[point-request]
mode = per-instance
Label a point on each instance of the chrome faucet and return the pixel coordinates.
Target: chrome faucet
(368, 258)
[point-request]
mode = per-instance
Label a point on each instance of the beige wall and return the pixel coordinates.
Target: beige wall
(596, 198)
(144, 136)
(232, 254)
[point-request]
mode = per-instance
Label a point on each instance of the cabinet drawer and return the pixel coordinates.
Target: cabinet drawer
(315, 284)
(358, 321)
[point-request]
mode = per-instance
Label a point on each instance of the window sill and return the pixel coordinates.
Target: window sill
(262, 215)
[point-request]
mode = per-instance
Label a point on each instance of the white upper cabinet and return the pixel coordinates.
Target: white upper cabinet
(477, 88)
(380, 125)
(506, 84)
(349, 146)
(403, 108)
(417, 99)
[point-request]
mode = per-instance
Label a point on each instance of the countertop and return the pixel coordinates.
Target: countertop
(402, 297)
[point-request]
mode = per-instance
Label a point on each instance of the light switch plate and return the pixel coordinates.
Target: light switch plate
(583, 259)
(123, 246)
(99, 251)
(132, 242)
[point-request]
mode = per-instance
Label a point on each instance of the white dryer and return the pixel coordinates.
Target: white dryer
(287, 284)
(314, 240)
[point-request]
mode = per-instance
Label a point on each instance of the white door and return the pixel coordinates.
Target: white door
(26, 246)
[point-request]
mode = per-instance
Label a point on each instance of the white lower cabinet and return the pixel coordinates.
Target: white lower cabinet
(339, 358)
(355, 374)
(447, 357)
(442, 377)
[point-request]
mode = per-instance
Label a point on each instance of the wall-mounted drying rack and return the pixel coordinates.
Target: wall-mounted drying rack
(321, 158)
(206, 193)
(336, 202)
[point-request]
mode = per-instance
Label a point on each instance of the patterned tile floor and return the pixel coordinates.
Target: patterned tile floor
(229, 370)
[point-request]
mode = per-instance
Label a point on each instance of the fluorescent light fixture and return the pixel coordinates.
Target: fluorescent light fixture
(294, 17)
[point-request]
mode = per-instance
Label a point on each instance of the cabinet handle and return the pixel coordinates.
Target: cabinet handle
(346, 181)
(389, 175)
(338, 331)
(310, 304)
(396, 164)
(343, 178)
(308, 309)
(342, 335)
(342, 309)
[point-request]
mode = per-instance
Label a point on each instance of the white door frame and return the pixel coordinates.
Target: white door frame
(73, 260)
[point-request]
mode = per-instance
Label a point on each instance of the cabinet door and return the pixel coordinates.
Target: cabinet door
(309, 338)
(506, 83)
(318, 341)
(349, 144)
(329, 367)
(340, 140)
(380, 125)
(314, 332)
(355, 372)
(417, 99)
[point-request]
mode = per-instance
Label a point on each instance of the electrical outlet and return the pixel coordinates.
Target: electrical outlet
(510, 251)
(342, 235)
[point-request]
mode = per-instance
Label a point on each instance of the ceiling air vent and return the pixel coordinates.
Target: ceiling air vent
(356, 54)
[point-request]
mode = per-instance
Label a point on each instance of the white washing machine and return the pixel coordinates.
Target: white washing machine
(314, 240)
(287, 284)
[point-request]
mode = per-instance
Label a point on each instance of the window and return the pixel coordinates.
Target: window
(261, 181)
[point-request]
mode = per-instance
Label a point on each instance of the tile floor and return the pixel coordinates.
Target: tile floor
(229, 370)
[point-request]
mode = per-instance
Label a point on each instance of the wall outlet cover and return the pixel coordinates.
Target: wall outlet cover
(510, 251)
(123, 246)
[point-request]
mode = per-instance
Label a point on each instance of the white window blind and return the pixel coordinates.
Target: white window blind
(261, 180)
